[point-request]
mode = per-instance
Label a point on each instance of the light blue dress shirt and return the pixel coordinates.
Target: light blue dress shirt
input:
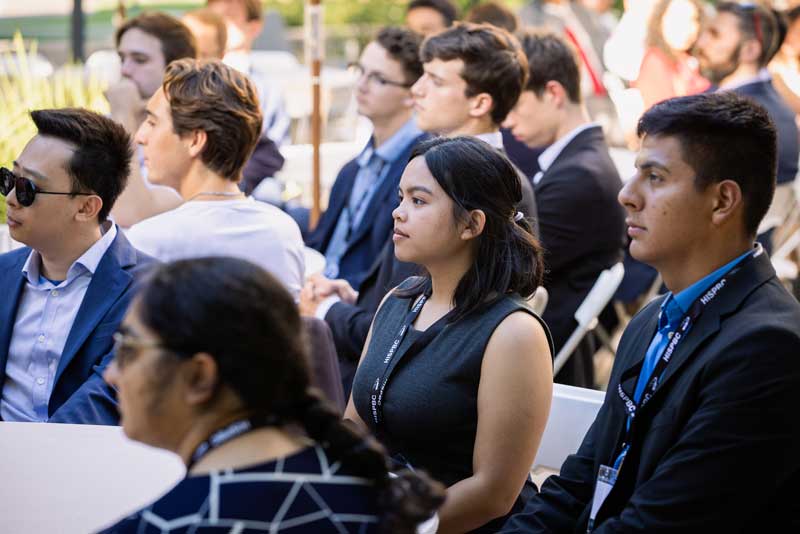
(374, 165)
(43, 322)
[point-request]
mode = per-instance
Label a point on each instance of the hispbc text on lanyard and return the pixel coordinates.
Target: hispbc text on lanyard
(391, 360)
(226, 434)
(607, 475)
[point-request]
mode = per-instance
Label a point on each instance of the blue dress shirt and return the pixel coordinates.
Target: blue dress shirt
(373, 166)
(43, 322)
(673, 309)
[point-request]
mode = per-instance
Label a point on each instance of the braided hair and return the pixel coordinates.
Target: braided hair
(242, 316)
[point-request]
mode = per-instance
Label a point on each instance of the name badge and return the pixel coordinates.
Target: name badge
(606, 478)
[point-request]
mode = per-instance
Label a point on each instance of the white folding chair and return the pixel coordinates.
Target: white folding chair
(572, 412)
(587, 313)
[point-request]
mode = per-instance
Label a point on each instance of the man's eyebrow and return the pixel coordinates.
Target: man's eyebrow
(651, 164)
(33, 173)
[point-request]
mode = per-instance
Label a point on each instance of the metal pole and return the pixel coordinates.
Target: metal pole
(316, 48)
(77, 31)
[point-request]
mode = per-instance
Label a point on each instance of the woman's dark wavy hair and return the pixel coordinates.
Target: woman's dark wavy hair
(242, 316)
(508, 258)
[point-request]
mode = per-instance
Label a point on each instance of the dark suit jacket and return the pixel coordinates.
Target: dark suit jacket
(715, 450)
(763, 92)
(79, 393)
(582, 229)
(375, 227)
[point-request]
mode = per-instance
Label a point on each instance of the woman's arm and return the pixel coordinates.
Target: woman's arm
(513, 404)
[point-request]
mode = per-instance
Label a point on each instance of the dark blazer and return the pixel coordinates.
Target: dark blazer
(763, 92)
(715, 450)
(375, 227)
(582, 229)
(79, 393)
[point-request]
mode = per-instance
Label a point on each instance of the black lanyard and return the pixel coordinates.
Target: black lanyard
(695, 310)
(224, 435)
(390, 362)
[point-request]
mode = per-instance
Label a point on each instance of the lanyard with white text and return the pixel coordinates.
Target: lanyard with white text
(224, 435)
(390, 362)
(695, 310)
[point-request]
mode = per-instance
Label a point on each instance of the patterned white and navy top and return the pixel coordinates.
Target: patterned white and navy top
(301, 493)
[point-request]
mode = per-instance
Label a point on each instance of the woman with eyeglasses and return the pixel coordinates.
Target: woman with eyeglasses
(456, 377)
(211, 364)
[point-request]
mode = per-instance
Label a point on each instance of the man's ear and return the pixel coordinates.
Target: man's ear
(90, 206)
(556, 93)
(475, 225)
(200, 375)
(481, 105)
(727, 202)
(750, 52)
(196, 142)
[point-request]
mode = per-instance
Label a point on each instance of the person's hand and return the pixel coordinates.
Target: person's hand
(309, 301)
(127, 105)
(325, 287)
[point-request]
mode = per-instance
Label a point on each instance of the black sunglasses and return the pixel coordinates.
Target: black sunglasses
(26, 190)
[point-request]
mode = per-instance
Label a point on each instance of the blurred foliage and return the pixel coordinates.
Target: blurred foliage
(22, 91)
(359, 11)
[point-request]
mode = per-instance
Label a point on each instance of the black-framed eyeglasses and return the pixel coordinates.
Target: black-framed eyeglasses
(26, 190)
(357, 70)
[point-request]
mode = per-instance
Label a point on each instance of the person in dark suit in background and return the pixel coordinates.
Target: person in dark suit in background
(734, 50)
(64, 294)
(581, 224)
(473, 74)
(703, 394)
(358, 221)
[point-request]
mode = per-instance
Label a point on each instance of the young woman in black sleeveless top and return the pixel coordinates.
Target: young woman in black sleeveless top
(456, 377)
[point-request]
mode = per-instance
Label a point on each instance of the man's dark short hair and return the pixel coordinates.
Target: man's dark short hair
(177, 41)
(756, 22)
(403, 46)
(551, 58)
(494, 62)
(445, 8)
(101, 160)
(723, 136)
(494, 13)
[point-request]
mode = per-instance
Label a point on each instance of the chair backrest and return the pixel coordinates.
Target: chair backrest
(587, 313)
(325, 373)
(538, 301)
(572, 412)
(600, 295)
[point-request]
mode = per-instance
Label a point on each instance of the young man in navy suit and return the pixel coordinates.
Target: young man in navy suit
(581, 224)
(699, 429)
(358, 221)
(67, 291)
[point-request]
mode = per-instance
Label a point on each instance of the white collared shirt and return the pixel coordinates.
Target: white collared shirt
(552, 152)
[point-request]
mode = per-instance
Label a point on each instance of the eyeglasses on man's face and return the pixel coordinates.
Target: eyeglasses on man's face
(26, 190)
(375, 78)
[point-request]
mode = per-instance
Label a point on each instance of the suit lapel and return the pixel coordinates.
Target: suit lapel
(635, 353)
(109, 281)
(751, 275)
(14, 281)
(589, 136)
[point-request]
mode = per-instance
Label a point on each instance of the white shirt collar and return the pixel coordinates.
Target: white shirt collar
(552, 152)
(493, 138)
(762, 76)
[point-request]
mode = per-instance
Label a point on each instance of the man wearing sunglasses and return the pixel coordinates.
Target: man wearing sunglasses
(66, 292)
(358, 221)
(734, 50)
